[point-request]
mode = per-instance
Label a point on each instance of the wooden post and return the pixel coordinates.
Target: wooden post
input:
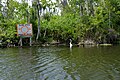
(30, 41)
(20, 41)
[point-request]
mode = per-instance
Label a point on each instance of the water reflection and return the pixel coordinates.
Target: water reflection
(60, 63)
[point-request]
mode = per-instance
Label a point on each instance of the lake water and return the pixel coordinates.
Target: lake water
(60, 63)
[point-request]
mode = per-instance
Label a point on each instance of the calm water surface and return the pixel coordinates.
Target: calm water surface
(60, 63)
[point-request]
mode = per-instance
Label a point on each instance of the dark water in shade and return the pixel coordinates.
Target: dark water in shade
(60, 63)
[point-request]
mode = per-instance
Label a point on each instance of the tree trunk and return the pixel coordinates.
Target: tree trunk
(45, 32)
(38, 13)
(28, 16)
(109, 18)
(91, 8)
(38, 33)
(86, 7)
(81, 9)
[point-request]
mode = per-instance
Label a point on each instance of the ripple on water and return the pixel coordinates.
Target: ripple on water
(49, 66)
(52, 63)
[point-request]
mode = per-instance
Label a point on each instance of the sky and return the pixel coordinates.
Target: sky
(4, 1)
(30, 4)
(29, 1)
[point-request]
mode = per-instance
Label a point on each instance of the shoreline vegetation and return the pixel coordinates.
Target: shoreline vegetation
(55, 43)
(85, 22)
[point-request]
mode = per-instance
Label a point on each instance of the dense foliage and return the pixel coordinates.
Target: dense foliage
(96, 20)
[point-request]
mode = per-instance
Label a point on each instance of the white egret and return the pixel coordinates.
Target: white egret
(70, 43)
